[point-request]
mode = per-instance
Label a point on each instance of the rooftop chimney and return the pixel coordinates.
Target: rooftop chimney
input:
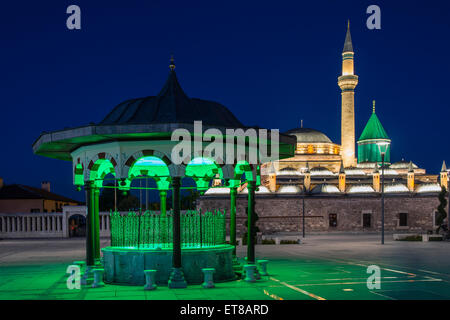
(45, 185)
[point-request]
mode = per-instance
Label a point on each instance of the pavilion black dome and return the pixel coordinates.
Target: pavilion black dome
(171, 105)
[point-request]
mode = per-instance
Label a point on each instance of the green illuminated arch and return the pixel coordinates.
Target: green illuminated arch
(150, 166)
(240, 168)
(202, 170)
(99, 170)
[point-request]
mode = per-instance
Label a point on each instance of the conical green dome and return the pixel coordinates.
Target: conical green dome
(371, 139)
(373, 129)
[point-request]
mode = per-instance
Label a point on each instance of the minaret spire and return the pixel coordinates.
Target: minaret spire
(347, 82)
(348, 46)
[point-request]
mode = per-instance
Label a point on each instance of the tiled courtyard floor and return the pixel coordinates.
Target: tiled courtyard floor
(323, 267)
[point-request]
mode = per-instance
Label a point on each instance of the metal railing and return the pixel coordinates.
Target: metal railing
(152, 230)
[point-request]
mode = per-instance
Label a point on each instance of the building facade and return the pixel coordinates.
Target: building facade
(18, 198)
(331, 211)
(335, 189)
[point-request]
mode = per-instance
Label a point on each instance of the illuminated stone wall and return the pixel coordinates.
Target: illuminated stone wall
(283, 213)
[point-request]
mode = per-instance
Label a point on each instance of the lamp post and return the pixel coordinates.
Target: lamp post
(303, 208)
(382, 147)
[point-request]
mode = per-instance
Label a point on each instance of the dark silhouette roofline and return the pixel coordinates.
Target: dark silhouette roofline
(171, 105)
(20, 191)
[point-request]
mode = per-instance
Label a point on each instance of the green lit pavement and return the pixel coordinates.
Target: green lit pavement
(300, 272)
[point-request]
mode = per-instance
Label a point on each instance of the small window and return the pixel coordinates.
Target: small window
(367, 220)
(403, 219)
(332, 217)
(35, 210)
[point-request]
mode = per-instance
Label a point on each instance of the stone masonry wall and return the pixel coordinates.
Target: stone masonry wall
(284, 214)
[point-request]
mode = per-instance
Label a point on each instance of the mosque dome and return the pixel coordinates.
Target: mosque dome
(171, 105)
(402, 165)
(307, 135)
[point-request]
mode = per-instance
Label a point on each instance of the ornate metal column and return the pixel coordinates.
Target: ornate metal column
(163, 202)
(96, 192)
(251, 187)
(233, 193)
(163, 216)
(90, 249)
(176, 279)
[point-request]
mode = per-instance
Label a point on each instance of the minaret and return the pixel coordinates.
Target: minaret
(342, 178)
(444, 176)
(410, 177)
(347, 82)
(376, 179)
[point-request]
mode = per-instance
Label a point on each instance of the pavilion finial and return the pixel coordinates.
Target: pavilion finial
(373, 108)
(172, 63)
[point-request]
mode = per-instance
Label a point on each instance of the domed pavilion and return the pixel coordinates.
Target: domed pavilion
(136, 141)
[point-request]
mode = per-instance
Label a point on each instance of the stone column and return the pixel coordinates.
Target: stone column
(96, 225)
(233, 193)
(176, 279)
(90, 224)
(107, 219)
(163, 202)
(53, 223)
(162, 211)
(251, 187)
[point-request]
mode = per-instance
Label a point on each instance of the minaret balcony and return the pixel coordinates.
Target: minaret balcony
(348, 82)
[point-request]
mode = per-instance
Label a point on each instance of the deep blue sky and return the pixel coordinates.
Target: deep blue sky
(271, 63)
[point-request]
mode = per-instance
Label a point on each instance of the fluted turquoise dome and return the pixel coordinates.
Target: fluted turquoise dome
(373, 135)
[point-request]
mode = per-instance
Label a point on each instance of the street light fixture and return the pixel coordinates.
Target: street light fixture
(382, 147)
(303, 208)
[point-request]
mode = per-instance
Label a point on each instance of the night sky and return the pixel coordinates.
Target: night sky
(271, 63)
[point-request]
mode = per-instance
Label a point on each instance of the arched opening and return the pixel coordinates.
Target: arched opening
(203, 171)
(242, 173)
(100, 169)
(189, 194)
(149, 180)
(77, 225)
